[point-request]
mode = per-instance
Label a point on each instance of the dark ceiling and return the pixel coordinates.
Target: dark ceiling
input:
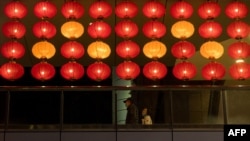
(29, 39)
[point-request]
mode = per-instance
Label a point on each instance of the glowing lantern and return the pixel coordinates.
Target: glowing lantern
(154, 70)
(184, 70)
(98, 71)
(239, 50)
(127, 70)
(12, 71)
(209, 10)
(100, 9)
(182, 29)
(44, 30)
(154, 29)
(45, 9)
(126, 9)
(240, 71)
(43, 50)
(154, 49)
(72, 30)
(238, 30)
(98, 50)
(13, 29)
(236, 10)
(72, 71)
(181, 10)
(126, 29)
(72, 50)
(72, 10)
(99, 29)
(183, 50)
(213, 71)
(12, 50)
(15, 10)
(210, 30)
(127, 49)
(153, 9)
(43, 71)
(211, 50)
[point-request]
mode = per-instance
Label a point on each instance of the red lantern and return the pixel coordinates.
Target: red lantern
(72, 71)
(183, 50)
(43, 71)
(99, 29)
(239, 50)
(153, 9)
(236, 10)
(213, 71)
(44, 30)
(238, 30)
(45, 9)
(126, 9)
(209, 10)
(12, 71)
(127, 70)
(154, 29)
(181, 10)
(126, 29)
(127, 49)
(15, 9)
(14, 29)
(72, 50)
(98, 71)
(184, 70)
(210, 30)
(154, 70)
(240, 71)
(12, 50)
(100, 9)
(72, 10)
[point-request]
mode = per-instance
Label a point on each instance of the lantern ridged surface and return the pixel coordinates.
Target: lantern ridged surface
(155, 70)
(184, 70)
(45, 9)
(98, 71)
(100, 9)
(153, 9)
(99, 30)
(98, 50)
(12, 71)
(126, 9)
(236, 10)
(127, 49)
(154, 29)
(44, 30)
(14, 29)
(12, 50)
(211, 50)
(239, 50)
(43, 50)
(213, 71)
(72, 71)
(72, 10)
(43, 71)
(72, 50)
(15, 10)
(209, 10)
(126, 29)
(182, 29)
(72, 29)
(181, 10)
(240, 71)
(154, 49)
(183, 49)
(127, 70)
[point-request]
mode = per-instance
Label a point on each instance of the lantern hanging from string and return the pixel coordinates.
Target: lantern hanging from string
(45, 9)
(236, 10)
(211, 50)
(43, 71)
(210, 30)
(183, 49)
(100, 9)
(72, 10)
(127, 49)
(238, 30)
(98, 50)
(181, 10)
(72, 71)
(12, 71)
(154, 29)
(213, 71)
(12, 50)
(44, 30)
(15, 10)
(72, 30)
(14, 29)
(127, 70)
(240, 71)
(239, 50)
(209, 10)
(43, 50)
(126, 29)
(155, 70)
(72, 50)
(126, 9)
(154, 49)
(182, 29)
(153, 9)
(98, 71)
(99, 29)
(184, 70)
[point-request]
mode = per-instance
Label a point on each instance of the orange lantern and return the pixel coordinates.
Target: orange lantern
(43, 50)
(98, 50)
(154, 49)
(211, 50)
(182, 29)
(72, 30)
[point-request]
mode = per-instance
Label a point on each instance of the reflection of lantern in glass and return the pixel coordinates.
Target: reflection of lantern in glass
(182, 29)
(153, 9)
(127, 70)
(14, 29)
(213, 71)
(72, 30)
(72, 71)
(183, 50)
(15, 9)
(43, 50)
(184, 70)
(12, 50)
(240, 71)
(45, 9)
(100, 9)
(154, 29)
(99, 29)
(211, 50)
(98, 50)
(181, 10)
(98, 71)
(126, 29)
(236, 10)
(72, 50)
(154, 49)
(209, 10)
(127, 49)
(126, 9)
(238, 30)
(12, 71)
(44, 30)
(72, 10)
(43, 71)
(154, 70)
(239, 50)
(210, 30)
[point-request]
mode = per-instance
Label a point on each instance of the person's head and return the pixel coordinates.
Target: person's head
(144, 111)
(128, 102)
